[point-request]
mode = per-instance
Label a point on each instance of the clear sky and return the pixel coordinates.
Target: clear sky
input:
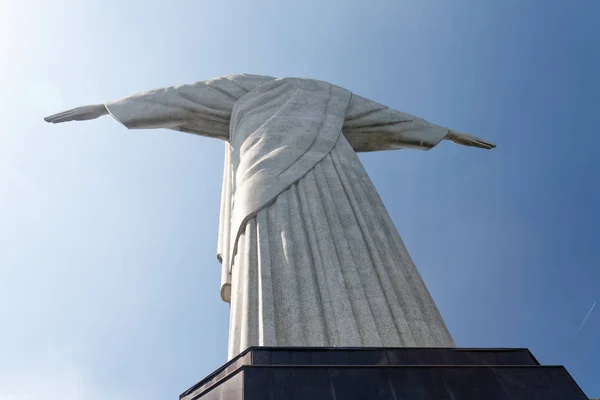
(109, 284)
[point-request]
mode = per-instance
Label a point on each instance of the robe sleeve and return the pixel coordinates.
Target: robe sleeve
(202, 108)
(370, 126)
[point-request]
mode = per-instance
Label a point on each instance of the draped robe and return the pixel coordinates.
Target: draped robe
(309, 254)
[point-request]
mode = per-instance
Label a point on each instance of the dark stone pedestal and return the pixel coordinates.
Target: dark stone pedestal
(288, 373)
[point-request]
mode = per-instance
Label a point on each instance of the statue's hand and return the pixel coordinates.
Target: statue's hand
(78, 114)
(468, 140)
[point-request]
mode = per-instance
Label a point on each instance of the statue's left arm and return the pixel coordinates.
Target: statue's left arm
(370, 126)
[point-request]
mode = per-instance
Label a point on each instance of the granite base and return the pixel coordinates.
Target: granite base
(288, 373)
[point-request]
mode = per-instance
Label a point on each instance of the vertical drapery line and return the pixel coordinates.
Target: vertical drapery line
(349, 215)
(223, 244)
(318, 266)
(395, 300)
(236, 309)
(249, 289)
(438, 330)
(394, 269)
(347, 328)
(331, 192)
(441, 335)
(284, 275)
(311, 312)
(267, 334)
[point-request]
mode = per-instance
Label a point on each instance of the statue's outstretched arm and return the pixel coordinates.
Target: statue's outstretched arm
(370, 126)
(199, 108)
(202, 108)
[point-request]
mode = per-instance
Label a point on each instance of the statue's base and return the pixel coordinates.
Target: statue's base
(289, 373)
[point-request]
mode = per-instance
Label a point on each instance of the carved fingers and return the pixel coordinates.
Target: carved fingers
(78, 114)
(469, 140)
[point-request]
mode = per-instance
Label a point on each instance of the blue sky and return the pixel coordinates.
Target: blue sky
(109, 284)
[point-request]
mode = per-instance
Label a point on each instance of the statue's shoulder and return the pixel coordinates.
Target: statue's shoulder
(247, 80)
(308, 83)
(236, 85)
(256, 80)
(262, 83)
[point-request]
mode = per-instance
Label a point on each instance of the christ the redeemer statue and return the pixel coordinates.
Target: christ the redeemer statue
(310, 255)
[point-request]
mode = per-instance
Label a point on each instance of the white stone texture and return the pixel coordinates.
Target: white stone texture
(310, 256)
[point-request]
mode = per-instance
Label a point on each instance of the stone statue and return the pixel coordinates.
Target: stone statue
(309, 253)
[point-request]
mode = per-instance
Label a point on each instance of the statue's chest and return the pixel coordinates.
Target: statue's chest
(284, 107)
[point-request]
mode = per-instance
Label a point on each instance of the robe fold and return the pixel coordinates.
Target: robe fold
(310, 256)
